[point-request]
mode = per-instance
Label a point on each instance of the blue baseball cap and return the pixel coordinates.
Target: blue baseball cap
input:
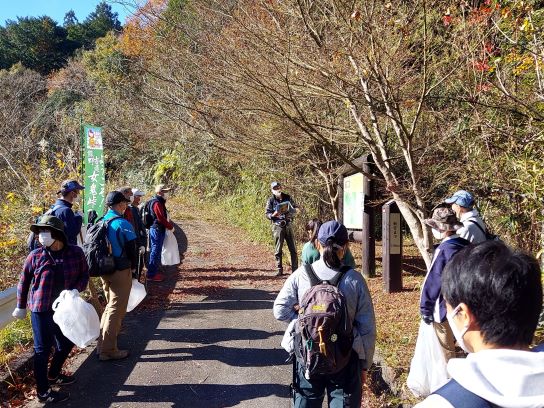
(70, 185)
(275, 184)
(462, 198)
(333, 230)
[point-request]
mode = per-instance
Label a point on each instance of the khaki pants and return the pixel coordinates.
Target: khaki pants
(116, 289)
(446, 339)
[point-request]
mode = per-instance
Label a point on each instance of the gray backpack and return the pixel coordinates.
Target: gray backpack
(323, 332)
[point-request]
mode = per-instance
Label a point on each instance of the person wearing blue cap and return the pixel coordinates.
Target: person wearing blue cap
(280, 209)
(473, 229)
(70, 192)
(343, 387)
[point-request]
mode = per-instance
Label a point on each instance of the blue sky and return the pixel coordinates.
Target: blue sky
(11, 9)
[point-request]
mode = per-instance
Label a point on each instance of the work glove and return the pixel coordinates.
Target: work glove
(142, 250)
(427, 319)
(19, 313)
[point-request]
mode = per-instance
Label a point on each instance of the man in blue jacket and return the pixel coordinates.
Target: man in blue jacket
(117, 285)
(432, 306)
(69, 191)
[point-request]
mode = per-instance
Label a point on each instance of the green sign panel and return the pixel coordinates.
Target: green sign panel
(354, 201)
(95, 179)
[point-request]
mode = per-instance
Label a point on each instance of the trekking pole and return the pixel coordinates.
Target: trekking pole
(139, 264)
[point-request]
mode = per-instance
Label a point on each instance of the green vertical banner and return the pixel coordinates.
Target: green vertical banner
(95, 178)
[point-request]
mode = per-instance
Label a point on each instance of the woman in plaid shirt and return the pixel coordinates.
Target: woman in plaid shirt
(47, 271)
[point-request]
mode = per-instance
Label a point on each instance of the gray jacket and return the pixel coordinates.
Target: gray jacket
(354, 289)
(470, 230)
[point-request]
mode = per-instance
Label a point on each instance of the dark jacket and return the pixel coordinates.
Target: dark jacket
(160, 214)
(272, 204)
(431, 302)
(72, 222)
(36, 284)
(138, 225)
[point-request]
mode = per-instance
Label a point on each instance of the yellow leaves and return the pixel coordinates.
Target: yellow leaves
(60, 164)
(11, 197)
(527, 26)
(8, 243)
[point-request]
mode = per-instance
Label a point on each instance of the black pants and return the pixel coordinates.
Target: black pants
(343, 389)
(47, 334)
(284, 234)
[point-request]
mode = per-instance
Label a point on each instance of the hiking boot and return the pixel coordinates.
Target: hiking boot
(114, 355)
(53, 396)
(157, 278)
(62, 379)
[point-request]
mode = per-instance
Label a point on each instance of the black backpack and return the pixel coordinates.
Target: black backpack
(146, 213)
(31, 241)
(488, 235)
(323, 332)
(97, 249)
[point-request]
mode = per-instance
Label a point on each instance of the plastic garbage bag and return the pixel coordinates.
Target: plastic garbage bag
(76, 318)
(137, 294)
(428, 367)
(170, 250)
(288, 341)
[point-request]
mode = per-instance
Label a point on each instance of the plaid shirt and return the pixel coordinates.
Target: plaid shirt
(37, 277)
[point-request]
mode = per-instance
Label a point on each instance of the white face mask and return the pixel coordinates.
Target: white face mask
(166, 196)
(45, 238)
(131, 198)
(456, 333)
(437, 234)
(277, 193)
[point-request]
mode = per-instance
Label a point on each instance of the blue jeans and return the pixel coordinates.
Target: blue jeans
(47, 334)
(156, 240)
(344, 389)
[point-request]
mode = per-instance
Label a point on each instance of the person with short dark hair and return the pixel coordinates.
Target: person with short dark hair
(444, 225)
(69, 194)
(48, 270)
(493, 297)
(280, 210)
(344, 387)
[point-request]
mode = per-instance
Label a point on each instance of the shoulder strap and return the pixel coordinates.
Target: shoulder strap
(460, 397)
(478, 225)
(336, 280)
(314, 280)
(52, 210)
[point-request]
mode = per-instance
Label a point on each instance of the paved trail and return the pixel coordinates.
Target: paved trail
(205, 338)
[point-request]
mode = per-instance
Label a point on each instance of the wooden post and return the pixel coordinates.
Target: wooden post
(368, 229)
(392, 247)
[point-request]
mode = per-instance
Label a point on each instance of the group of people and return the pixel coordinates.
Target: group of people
(478, 294)
(57, 263)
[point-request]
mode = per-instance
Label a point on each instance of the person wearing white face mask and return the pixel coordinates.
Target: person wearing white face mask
(70, 191)
(280, 209)
(48, 270)
(444, 225)
(494, 298)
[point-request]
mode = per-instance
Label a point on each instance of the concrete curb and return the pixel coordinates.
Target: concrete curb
(386, 379)
(21, 365)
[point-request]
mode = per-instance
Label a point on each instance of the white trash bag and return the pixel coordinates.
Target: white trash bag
(137, 294)
(428, 367)
(288, 337)
(76, 318)
(170, 250)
